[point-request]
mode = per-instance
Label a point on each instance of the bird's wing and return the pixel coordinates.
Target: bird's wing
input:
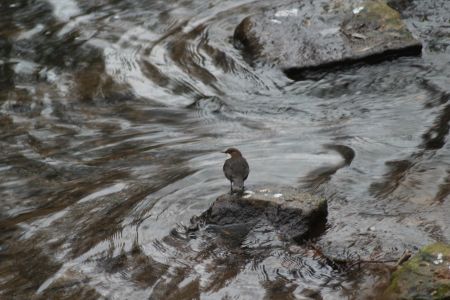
(239, 167)
(246, 169)
(227, 169)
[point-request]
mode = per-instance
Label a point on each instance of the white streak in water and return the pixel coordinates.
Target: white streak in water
(329, 31)
(106, 191)
(37, 225)
(29, 33)
(48, 110)
(287, 13)
(5, 168)
(64, 10)
(357, 10)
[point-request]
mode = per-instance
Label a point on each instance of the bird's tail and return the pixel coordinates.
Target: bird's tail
(238, 185)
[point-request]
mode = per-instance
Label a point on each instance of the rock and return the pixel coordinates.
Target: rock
(400, 5)
(292, 214)
(309, 36)
(425, 276)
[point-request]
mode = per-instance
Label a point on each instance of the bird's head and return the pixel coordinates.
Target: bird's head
(233, 152)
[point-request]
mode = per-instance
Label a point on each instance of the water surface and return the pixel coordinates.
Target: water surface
(112, 116)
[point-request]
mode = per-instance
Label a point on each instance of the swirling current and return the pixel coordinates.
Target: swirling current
(113, 114)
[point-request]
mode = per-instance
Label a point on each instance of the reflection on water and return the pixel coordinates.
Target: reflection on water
(112, 116)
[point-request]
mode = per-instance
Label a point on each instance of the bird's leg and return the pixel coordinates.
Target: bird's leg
(231, 187)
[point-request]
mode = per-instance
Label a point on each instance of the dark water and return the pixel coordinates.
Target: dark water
(112, 116)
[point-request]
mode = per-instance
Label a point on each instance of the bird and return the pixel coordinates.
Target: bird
(236, 170)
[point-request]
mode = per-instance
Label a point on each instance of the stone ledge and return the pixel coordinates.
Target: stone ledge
(293, 214)
(311, 36)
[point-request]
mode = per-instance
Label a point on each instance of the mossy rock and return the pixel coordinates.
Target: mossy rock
(425, 276)
(304, 37)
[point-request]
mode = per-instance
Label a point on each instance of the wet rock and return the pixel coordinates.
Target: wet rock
(400, 5)
(425, 276)
(291, 213)
(309, 36)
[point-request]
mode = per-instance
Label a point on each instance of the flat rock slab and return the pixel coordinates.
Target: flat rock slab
(425, 276)
(315, 35)
(293, 214)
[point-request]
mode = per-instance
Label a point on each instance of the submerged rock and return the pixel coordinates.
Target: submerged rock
(425, 276)
(291, 213)
(308, 36)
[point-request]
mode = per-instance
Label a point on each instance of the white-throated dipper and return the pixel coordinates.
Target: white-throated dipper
(236, 170)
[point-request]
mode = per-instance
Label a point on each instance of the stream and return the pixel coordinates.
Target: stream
(113, 114)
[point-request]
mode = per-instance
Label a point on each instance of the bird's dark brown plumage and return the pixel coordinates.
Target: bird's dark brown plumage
(236, 170)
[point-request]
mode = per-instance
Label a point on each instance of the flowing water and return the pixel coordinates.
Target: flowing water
(113, 114)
